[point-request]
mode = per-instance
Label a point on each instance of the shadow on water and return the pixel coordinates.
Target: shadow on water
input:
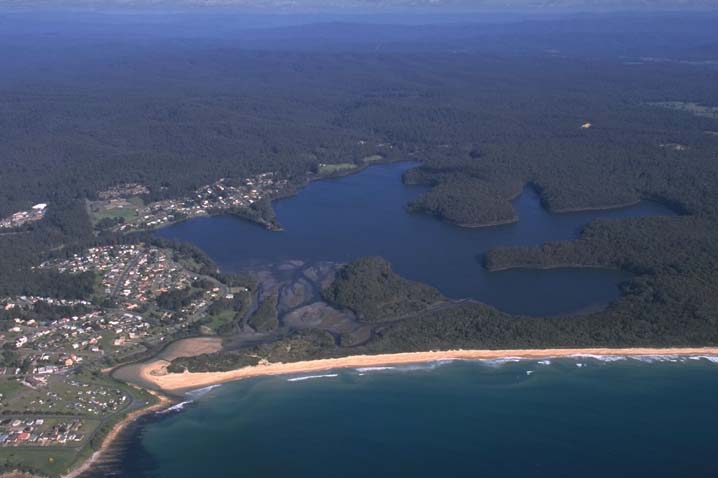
(115, 462)
(365, 214)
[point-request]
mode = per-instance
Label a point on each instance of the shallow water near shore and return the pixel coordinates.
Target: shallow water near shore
(365, 214)
(568, 417)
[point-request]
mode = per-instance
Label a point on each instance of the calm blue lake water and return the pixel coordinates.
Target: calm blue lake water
(461, 419)
(365, 214)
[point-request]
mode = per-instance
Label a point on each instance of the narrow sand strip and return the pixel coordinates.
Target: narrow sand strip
(155, 372)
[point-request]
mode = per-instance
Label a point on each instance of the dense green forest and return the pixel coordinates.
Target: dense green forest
(369, 288)
(653, 312)
(265, 317)
(484, 111)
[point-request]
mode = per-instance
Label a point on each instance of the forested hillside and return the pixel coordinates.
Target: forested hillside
(375, 293)
(486, 110)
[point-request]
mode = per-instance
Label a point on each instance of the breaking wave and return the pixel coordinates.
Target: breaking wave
(373, 369)
(656, 358)
(311, 377)
(194, 394)
(600, 358)
(501, 361)
(710, 358)
(174, 408)
(414, 367)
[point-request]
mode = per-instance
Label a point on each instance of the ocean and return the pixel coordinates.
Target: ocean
(580, 417)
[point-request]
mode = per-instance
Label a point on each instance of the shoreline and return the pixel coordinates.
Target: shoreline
(291, 192)
(545, 267)
(155, 372)
(167, 387)
(178, 348)
(162, 403)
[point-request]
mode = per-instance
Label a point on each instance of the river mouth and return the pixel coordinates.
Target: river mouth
(338, 220)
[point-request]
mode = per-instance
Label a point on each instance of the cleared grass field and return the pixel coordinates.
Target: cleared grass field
(99, 211)
(221, 319)
(53, 461)
(335, 168)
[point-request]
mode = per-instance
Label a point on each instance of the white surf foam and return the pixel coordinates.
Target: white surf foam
(202, 391)
(312, 377)
(365, 370)
(655, 358)
(425, 365)
(710, 358)
(414, 367)
(600, 358)
(501, 361)
(174, 408)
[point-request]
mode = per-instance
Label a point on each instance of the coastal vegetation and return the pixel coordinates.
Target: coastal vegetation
(370, 289)
(298, 346)
(398, 311)
(264, 318)
(483, 111)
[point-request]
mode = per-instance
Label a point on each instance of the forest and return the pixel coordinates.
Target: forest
(370, 289)
(652, 313)
(484, 112)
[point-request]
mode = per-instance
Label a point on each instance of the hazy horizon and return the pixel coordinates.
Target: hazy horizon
(440, 7)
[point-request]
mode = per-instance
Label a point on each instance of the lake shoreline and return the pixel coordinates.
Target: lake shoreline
(155, 372)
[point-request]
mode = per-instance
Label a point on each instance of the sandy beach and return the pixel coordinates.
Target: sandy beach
(133, 373)
(155, 372)
(179, 348)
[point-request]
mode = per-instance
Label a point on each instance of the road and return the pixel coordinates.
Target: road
(123, 275)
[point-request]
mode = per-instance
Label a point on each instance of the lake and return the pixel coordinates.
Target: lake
(365, 214)
(568, 418)
(584, 416)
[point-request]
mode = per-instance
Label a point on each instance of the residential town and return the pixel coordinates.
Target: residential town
(46, 341)
(52, 349)
(130, 279)
(24, 431)
(23, 218)
(131, 274)
(122, 202)
(123, 191)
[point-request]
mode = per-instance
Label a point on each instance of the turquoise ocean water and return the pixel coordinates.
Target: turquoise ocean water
(568, 418)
